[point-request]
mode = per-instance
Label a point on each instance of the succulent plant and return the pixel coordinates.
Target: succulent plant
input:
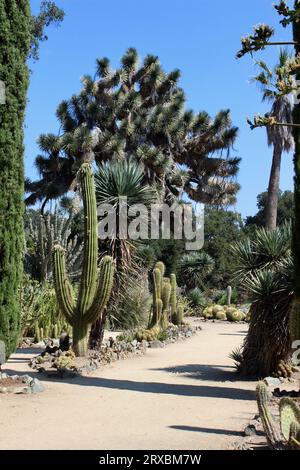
(93, 294)
(289, 414)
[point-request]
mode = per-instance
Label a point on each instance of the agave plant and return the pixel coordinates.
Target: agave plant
(194, 268)
(264, 268)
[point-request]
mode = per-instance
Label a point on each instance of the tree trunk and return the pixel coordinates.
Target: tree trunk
(80, 339)
(97, 333)
(273, 189)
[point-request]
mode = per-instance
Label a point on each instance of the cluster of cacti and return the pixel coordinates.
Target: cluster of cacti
(52, 229)
(147, 334)
(66, 360)
(164, 305)
(49, 330)
(289, 414)
(284, 370)
(93, 294)
(219, 312)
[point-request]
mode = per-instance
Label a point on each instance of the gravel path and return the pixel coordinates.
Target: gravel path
(185, 396)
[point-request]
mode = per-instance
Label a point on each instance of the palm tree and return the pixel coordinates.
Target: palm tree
(273, 85)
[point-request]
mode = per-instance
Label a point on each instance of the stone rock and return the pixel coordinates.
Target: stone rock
(156, 344)
(134, 343)
(36, 386)
(272, 381)
(250, 430)
(3, 375)
(27, 379)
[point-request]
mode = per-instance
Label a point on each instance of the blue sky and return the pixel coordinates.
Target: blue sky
(200, 37)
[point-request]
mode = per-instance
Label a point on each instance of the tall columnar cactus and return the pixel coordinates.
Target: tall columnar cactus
(51, 229)
(161, 296)
(173, 300)
(165, 297)
(92, 296)
(289, 420)
(228, 295)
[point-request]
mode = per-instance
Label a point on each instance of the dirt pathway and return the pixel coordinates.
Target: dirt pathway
(184, 396)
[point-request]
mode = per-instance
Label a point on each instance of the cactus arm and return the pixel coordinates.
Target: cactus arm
(272, 434)
(62, 286)
(289, 413)
(90, 253)
(173, 299)
(228, 295)
(105, 284)
(166, 294)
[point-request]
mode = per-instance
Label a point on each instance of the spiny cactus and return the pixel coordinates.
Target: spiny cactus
(228, 295)
(51, 229)
(289, 420)
(173, 299)
(161, 297)
(92, 296)
(179, 315)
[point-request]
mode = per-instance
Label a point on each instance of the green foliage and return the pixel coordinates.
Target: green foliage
(138, 112)
(194, 269)
(40, 316)
(93, 295)
(197, 298)
(114, 182)
(129, 308)
(289, 415)
(49, 14)
(264, 269)
(285, 211)
(41, 235)
(222, 228)
(14, 47)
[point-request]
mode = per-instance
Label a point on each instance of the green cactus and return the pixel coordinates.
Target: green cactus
(272, 434)
(289, 413)
(92, 296)
(173, 299)
(37, 336)
(160, 265)
(289, 420)
(157, 284)
(179, 315)
(166, 294)
(228, 295)
(55, 333)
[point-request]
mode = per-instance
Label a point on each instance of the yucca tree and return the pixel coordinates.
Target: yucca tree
(264, 269)
(194, 268)
(138, 112)
(120, 183)
(274, 84)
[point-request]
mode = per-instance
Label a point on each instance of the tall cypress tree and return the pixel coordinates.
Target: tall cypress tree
(15, 35)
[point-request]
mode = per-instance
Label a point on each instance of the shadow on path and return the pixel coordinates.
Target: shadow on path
(154, 387)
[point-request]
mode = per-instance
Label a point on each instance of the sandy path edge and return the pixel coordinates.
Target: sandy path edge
(185, 396)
